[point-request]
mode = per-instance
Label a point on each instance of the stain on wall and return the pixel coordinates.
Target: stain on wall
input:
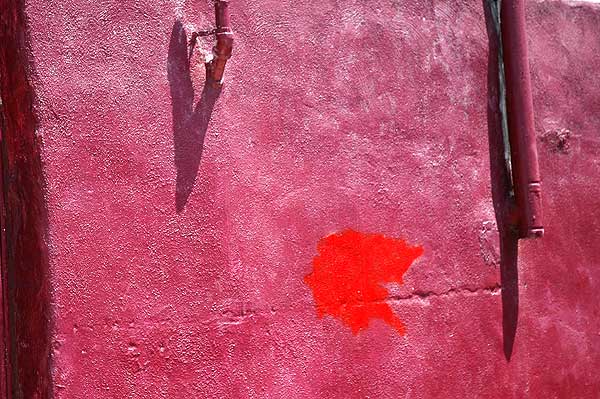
(349, 274)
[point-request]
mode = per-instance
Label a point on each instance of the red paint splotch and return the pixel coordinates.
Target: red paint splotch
(348, 274)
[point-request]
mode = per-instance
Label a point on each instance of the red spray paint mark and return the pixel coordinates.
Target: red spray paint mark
(348, 273)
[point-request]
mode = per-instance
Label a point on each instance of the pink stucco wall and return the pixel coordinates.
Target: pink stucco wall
(182, 220)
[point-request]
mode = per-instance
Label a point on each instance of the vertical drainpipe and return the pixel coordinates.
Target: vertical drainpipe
(519, 107)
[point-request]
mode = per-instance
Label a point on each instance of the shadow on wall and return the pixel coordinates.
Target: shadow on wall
(189, 122)
(25, 283)
(501, 184)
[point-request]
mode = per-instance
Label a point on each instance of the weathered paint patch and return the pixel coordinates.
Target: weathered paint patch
(348, 272)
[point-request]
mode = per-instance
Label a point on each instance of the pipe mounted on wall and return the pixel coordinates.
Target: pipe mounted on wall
(519, 106)
(224, 46)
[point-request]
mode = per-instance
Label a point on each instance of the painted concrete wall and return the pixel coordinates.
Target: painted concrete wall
(183, 221)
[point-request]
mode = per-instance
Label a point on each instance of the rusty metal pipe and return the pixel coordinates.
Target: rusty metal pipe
(519, 106)
(224, 45)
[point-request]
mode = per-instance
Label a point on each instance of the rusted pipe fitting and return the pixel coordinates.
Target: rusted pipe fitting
(224, 45)
(519, 107)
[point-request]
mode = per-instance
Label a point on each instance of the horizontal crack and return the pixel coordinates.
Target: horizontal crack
(229, 317)
(452, 291)
(417, 294)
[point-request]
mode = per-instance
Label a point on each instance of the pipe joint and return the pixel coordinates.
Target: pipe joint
(223, 48)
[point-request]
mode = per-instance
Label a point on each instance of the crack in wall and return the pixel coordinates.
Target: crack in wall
(418, 294)
(244, 313)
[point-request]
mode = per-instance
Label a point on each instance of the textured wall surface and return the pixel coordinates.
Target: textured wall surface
(182, 220)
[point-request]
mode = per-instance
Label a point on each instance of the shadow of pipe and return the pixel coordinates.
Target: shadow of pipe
(189, 123)
(501, 184)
